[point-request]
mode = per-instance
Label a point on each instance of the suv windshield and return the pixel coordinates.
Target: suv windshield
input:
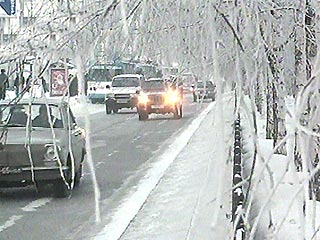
(125, 82)
(154, 84)
(17, 115)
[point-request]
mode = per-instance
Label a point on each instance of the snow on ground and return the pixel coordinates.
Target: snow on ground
(282, 202)
(183, 203)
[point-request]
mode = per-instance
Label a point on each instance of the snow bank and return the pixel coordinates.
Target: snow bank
(275, 209)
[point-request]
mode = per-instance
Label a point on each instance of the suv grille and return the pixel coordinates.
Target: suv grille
(158, 99)
(122, 96)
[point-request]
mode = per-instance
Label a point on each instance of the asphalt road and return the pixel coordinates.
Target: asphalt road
(122, 147)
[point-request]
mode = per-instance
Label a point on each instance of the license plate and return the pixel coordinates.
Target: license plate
(122, 101)
(9, 170)
(156, 106)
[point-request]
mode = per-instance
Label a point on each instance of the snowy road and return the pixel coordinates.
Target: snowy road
(123, 148)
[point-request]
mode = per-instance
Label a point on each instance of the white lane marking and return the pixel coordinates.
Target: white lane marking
(31, 207)
(131, 205)
(12, 221)
(100, 163)
(132, 117)
(163, 122)
(136, 138)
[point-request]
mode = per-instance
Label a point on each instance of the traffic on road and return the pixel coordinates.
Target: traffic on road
(68, 156)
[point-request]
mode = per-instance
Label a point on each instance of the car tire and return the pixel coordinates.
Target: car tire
(108, 110)
(176, 112)
(61, 189)
(115, 110)
(78, 174)
(77, 177)
(180, 112)
(143, 116)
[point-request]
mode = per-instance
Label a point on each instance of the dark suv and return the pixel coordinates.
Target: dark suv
(157, 97)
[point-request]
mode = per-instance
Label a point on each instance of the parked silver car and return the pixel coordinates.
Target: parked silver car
(40, 144)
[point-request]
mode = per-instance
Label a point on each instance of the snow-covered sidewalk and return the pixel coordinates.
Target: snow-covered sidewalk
(185, 202)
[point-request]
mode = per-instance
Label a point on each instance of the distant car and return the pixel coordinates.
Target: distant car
(204, 90)
(123, 92)
(157, 97)
(40, 144)
(97, 91)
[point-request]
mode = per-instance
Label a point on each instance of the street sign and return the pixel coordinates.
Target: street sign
(58, 81)
(9, 6)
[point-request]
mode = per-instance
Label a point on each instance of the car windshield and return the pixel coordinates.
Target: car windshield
(17, 115)
(125, 82)
(98, 75)
(154, 84)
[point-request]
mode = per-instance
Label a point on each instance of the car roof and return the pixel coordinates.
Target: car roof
(155, 79)
(128, 75)
(204, 81)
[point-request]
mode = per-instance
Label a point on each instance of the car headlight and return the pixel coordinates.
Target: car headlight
(143, 98)
(172, 97)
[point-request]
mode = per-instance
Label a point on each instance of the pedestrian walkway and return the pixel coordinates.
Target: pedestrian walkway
(195, 191)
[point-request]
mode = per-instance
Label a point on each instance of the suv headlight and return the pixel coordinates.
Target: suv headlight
(143, 98)
(172, 97)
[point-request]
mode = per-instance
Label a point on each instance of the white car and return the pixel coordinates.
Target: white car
(123, 92)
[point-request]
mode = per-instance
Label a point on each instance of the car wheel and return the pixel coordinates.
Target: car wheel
(143, 116)
(61, 189)
(77, 177)
(180, 111)
(115, 110)
(108, 110)
(176, 112)
(41, 187)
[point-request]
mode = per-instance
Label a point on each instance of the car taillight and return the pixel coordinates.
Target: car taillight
(51, 153)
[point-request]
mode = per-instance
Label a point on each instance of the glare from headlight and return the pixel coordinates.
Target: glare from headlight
(172, 97)
(143, 98)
